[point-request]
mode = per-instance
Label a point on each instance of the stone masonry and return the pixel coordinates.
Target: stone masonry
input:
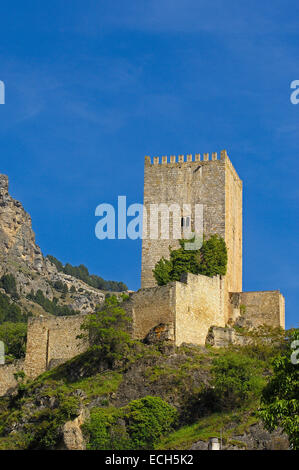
(52, 341)
(190, 306)
(214, 184)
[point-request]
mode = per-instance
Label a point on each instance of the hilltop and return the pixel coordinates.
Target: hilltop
(120, 393)
(151, 396)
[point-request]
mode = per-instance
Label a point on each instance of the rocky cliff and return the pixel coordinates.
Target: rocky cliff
(17, 240)
(22, 257)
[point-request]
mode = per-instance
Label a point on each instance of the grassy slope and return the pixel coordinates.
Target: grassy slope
(33, 419)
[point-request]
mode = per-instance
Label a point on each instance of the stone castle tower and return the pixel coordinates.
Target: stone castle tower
(215, 184)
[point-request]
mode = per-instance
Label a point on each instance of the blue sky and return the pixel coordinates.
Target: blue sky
(92, 87)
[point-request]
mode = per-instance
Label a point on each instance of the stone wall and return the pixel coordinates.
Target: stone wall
(233, 231)
(188, 308)
(52, 340)
(264, 307)
(150, 307)
(199, 304)
(258, 308)
(191, 306)
(7, 380)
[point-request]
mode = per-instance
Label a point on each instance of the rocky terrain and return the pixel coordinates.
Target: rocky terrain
(52, 411)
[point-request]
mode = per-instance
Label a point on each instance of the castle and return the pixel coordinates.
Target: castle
(180, 311)
(190, 307)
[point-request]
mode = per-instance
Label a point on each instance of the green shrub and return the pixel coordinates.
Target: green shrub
(14, 336)
(107, 329)
(237, 379)
(280, 397)
(51, 306)
(10, 311)
(149, 418)
(162, 271)
(213, 257)
(105, 431)
(60, 286)
(183, 261)
(242, 309)
(46, 429)
(138, 426)
(209, 260)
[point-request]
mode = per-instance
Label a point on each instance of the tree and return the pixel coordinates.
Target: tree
(14, 337)
(108, 329)
(60, 286)
(8, 283)
(184, 261)
(10, 311)
(51, 306)
(149, 418)
(81, 272)
(280, 397)
(139, 425)
(213, 257)
(237, 378)
(162, 271)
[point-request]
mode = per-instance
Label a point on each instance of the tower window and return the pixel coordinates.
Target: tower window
(185, 221)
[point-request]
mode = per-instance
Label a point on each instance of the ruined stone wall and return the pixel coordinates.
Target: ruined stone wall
(52, 340)
(191, 306)
(223, 337)
(7, 379)
(150, 307)
(199, 305)
(264, 307)
(259, 308)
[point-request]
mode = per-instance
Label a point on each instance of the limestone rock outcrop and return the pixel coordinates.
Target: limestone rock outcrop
(17, 240)
(72, 434)
(22, 257)
(220, 337)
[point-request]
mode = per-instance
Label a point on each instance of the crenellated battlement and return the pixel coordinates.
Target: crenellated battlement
(189, 158)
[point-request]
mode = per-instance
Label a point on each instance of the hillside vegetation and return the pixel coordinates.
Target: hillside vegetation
(81, 272)
(137, 396)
